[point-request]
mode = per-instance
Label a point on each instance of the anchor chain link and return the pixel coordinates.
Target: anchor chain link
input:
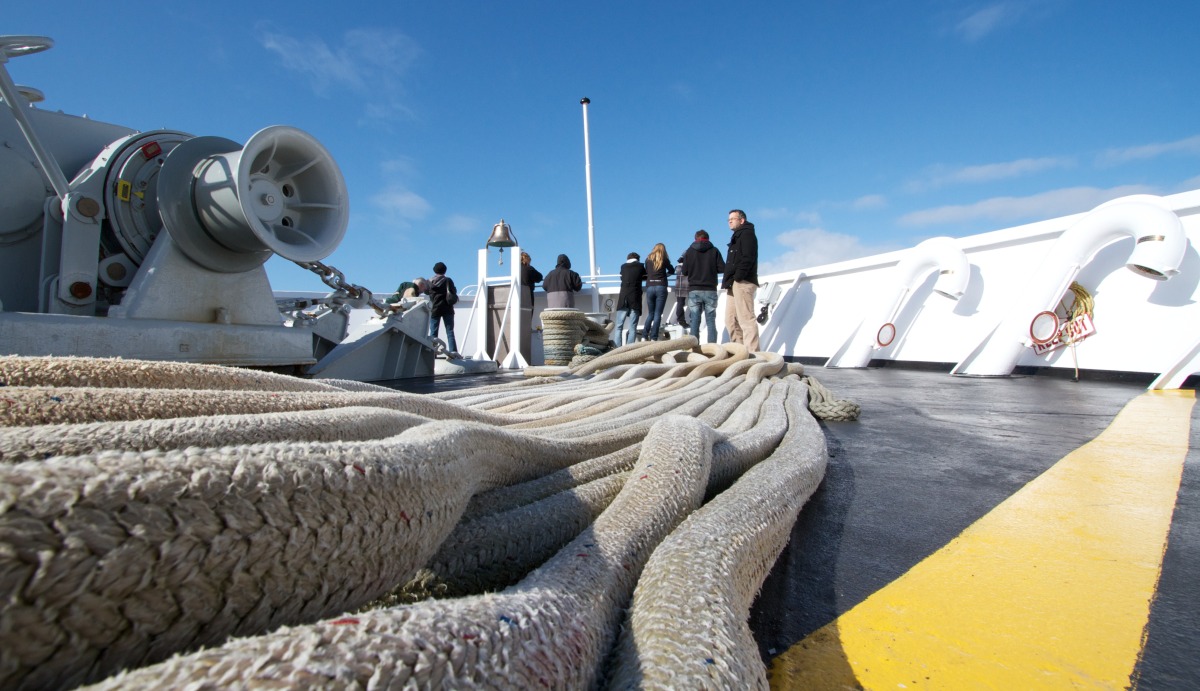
(361, 297)
(335, 279)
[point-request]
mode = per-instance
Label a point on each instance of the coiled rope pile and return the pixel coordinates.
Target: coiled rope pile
(208, 527)
(566, 331)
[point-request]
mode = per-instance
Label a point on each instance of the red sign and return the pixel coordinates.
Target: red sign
(1073, 331)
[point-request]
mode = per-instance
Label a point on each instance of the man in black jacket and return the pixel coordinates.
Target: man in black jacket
(629, 301)
(741, 281)
(701, 264)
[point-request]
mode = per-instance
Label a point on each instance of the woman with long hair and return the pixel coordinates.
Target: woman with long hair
(529, 275)
(658, 267)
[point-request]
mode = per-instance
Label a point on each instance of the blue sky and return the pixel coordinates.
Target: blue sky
(843, 128)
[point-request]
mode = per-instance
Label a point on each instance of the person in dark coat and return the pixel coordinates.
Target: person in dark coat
(443, 295)
(529, 275)
(629, 301)
(561, 284)
(681, 293)
(741, 281)
(701, 263)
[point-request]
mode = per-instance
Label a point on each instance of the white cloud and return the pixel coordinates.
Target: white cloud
(1189, 184)
(314, 59)
(402, 165)
(987, 20)
(1050, 204)
(461, 224)
(784, 214)
(368, 63)
(1112, 157)
(870, 201)
(400, 203)
(988, 172)
(808, 247)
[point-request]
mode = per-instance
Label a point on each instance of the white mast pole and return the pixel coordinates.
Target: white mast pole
(587, 164)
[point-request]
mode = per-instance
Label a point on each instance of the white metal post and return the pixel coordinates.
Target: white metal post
(516, 318)
(587, 164)
(481, 310)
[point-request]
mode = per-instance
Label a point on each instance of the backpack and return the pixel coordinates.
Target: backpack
(446, 289)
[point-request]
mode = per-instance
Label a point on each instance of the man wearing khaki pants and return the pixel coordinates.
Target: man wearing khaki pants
(741, 281)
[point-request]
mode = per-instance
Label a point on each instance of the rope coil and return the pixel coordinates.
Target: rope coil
(563, 329)
(141, 523)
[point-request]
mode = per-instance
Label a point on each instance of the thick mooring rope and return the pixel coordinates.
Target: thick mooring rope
(687, 626)
(141, 519)
(565, 329)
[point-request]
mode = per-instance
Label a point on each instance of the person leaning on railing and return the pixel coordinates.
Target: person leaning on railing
(701, 263)
(561, 284)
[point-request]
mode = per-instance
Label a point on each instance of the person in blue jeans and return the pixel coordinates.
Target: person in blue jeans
(629, 301)
(658, 267)
(443, 295)
(701, 264)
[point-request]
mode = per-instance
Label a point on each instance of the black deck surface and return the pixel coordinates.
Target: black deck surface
(930, 455)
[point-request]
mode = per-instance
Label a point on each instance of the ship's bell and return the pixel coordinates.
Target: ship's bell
(502, 236)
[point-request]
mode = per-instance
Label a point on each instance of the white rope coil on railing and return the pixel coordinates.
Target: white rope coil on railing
(141, 520)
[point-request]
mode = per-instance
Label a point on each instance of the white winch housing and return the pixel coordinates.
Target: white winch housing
(151, 244)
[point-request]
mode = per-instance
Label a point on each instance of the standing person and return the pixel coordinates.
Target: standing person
(629, 302)
(701, 264)
(658, 267)
(529, 275)
(561, 284)
(442, 296)
(741, 281)
(681, 293)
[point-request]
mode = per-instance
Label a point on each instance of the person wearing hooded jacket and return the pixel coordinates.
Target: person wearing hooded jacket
(741, 281)
(701, 264)
(629, 301)
(442, 298)
(681, 293)
(561, 284)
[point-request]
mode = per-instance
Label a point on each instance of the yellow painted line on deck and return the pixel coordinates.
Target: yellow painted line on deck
(1051, 589)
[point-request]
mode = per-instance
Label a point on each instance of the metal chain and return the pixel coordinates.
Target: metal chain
(359, 296)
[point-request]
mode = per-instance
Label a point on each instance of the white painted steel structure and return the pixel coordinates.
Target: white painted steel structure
(1142, 325)
(939, 254)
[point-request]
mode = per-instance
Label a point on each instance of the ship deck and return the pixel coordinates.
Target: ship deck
(1017, 532)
